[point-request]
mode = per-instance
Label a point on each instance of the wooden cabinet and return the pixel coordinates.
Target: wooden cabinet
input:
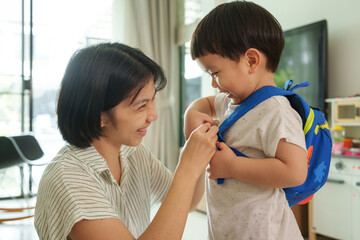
(301, 215)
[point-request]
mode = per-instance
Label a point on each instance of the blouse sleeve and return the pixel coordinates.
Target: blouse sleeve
(161, 179)
(60, 204)
(160, 176)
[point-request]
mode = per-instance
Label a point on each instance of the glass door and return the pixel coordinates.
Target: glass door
(59, 29)
(12, 70)
(194, 83)
(14, 83)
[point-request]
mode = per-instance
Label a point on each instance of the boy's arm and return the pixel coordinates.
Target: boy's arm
(198, 192)
(288, 168)
(200, 111)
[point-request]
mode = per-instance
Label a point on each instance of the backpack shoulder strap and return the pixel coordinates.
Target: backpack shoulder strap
(254, 99)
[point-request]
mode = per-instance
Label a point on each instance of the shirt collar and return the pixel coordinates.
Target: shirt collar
(126, 151)
(92, 158)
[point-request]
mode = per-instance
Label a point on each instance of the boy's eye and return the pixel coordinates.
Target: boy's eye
(214, 74)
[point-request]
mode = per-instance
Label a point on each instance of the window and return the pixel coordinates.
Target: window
(37, 39)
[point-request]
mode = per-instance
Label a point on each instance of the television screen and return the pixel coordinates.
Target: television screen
(304, 58)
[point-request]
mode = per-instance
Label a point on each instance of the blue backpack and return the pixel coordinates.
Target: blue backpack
(317, 138)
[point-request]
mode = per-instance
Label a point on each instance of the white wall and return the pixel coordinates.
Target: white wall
(343, 19)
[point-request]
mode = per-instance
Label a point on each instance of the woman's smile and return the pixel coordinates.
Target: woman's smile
(142, 131)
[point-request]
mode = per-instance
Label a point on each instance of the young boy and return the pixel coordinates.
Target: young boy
(239, 44)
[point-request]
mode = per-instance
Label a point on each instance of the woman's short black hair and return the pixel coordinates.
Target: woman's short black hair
(97, 79)
(232, 28)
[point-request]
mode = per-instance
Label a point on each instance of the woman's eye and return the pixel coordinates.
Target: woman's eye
(142, 106)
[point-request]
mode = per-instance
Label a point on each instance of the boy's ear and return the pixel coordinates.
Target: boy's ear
(253, 59)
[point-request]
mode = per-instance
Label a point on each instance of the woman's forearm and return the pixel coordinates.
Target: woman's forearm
(170, 220)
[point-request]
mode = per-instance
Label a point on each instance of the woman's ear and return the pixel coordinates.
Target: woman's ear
(253, 59)
(104, 119)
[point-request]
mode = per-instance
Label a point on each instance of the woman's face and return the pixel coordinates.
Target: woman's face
(127, 122)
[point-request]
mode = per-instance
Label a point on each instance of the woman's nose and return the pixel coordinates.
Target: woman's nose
(152, 116)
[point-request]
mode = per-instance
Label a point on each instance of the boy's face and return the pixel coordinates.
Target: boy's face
(230, 77)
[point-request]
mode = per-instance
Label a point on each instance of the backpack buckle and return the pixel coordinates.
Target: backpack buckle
(289, 83)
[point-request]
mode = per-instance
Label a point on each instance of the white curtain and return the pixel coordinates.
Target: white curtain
(150, 26)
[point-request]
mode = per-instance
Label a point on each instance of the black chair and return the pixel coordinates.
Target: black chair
(19, 151)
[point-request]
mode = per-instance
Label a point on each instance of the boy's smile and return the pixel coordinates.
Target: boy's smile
(238, 79)
(228, 76)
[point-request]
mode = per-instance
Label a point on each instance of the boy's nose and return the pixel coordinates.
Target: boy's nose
(214, 83)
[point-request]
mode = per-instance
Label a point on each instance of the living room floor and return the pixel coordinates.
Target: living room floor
(196, 228)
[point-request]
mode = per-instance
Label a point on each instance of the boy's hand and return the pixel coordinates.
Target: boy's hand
(221, 163)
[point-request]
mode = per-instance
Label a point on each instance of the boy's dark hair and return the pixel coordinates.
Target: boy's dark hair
(232, 28)
(97, 79)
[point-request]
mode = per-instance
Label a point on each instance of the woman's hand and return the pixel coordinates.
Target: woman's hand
(199, 112)
(199, 149)
(193, 119)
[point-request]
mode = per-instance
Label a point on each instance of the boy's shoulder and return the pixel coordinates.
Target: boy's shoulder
(276, 102)
(276, 107)
(273, 106)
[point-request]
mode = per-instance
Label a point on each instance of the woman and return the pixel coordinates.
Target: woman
(102, 184)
